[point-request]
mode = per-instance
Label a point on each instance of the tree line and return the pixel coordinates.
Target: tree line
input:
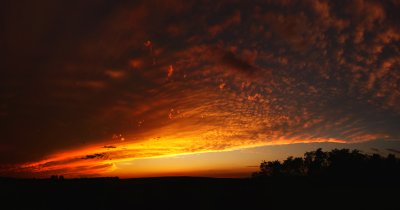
(341, 163)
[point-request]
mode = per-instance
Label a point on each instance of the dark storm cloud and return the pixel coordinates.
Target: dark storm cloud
(228, 74)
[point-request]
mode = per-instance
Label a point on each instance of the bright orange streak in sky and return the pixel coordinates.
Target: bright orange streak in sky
(100, 160)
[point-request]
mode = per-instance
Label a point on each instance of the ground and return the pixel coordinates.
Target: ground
(198, 193)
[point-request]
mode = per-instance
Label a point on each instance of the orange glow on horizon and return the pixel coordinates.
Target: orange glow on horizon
(99, 160)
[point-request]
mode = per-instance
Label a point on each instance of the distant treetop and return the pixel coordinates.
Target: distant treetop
(341, 163)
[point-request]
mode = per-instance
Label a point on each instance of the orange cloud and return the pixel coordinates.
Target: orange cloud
(323, 72)
(115, 74)
(170, 71)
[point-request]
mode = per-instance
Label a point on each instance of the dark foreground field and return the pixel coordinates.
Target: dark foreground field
(199, 193)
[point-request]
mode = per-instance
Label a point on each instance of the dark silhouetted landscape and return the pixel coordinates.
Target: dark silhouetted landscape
(339, 179)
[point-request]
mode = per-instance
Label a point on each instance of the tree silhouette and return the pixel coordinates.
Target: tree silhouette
(271, 168)
(340, 163)
(294, 166)
(316, 162)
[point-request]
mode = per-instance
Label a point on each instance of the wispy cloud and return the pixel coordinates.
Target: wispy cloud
(156, 79)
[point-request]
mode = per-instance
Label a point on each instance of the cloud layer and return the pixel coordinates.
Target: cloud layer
(118, 81)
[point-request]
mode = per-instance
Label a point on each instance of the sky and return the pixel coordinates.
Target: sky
(200, 88)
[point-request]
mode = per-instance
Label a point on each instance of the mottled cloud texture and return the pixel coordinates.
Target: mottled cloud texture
(86, 84)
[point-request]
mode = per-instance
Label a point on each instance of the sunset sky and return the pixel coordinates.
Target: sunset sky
(199, 88)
